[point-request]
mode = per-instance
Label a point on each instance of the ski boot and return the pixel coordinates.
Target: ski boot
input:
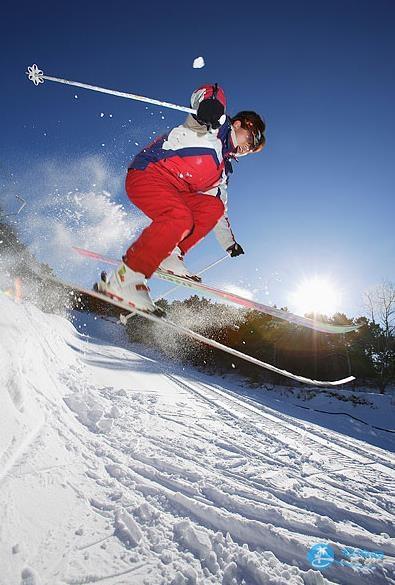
(130, 288)
(174, 264)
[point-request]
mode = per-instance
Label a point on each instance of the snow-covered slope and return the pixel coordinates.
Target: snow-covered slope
(117, 469)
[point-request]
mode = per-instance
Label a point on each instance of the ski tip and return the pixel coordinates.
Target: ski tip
(335, 329)
(343, 381)
(327, 384)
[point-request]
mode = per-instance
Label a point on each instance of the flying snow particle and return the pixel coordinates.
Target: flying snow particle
(76, 96)
(101, 114)
(198, 63)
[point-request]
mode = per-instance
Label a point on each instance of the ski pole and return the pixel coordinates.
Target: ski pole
(37, 76)
(23, 204)
(124, 318)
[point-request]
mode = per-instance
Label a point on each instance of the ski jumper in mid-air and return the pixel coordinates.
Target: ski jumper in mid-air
(180, 182)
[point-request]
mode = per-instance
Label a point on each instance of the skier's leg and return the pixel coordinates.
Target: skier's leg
(172, 220)
(206, 210)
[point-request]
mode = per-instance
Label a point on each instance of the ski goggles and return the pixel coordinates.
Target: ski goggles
(255, 134)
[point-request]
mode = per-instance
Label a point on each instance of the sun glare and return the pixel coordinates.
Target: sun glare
(315, 295)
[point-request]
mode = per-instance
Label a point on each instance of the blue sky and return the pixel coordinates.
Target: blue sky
(318, 201)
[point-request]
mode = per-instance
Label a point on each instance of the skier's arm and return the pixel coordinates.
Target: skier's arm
(224, 233)
(223, 230)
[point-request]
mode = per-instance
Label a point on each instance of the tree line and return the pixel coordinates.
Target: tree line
(368, 353)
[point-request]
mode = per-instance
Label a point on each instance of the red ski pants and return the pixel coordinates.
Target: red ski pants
(179, 218)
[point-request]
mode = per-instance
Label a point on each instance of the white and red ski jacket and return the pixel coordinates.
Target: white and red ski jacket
(196, 160)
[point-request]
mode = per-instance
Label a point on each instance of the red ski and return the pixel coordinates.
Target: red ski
(232, 297)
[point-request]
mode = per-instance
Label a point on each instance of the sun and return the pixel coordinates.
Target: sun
(316, 295)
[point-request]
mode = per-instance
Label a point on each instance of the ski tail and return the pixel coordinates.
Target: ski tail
(95, 256)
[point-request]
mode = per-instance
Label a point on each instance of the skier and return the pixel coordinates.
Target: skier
(180, 182)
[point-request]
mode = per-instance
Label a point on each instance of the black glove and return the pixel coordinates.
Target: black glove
(235, 250)
(209, 112)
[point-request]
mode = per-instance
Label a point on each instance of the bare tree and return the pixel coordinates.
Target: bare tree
(380, 303)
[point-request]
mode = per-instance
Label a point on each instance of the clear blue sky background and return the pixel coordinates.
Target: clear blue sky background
(318, 200)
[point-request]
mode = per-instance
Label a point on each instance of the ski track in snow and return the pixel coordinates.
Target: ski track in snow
(118, 469)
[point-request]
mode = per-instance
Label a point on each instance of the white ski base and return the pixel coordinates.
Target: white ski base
(212, 342)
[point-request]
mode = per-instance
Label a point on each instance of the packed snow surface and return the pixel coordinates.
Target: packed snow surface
(119, 469)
